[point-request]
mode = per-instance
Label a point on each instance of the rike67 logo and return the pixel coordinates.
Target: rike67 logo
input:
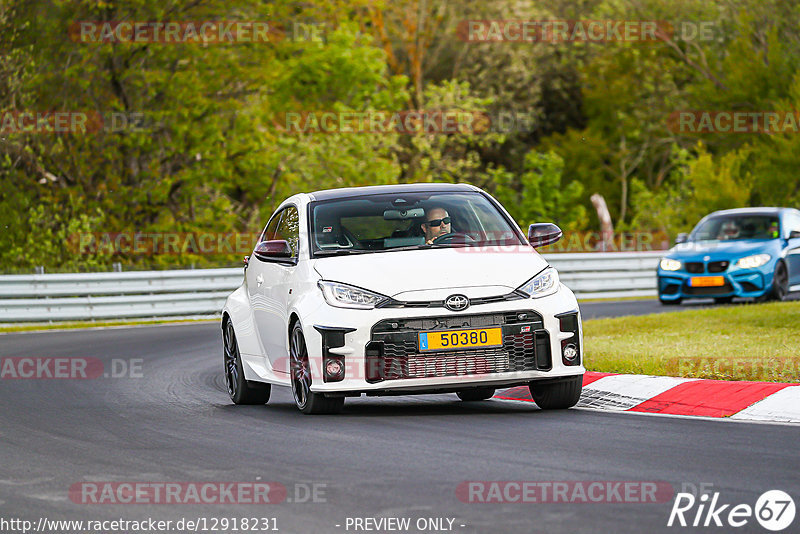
(774, 510)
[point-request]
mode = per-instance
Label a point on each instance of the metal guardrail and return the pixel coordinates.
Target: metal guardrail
(91, 296)
(144, 294)
(609, 275)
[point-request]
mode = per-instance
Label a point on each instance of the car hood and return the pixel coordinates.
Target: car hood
(720, 250)
(412, 273)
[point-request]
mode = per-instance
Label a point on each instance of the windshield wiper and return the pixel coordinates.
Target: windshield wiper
(339, 252)
(451, 245)
(408, 247)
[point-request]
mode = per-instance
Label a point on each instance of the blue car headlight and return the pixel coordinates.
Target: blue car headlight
(751, 262)
(668, 264)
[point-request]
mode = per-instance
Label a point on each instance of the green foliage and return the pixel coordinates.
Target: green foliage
(212, 155)
(697, 186)
(539, 195)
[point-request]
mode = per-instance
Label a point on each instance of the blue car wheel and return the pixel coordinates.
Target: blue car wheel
(780, 283)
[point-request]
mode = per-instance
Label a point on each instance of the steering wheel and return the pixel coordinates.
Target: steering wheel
(452, 236)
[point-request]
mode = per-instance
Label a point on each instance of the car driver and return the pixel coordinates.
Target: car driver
(729, 230)
(437, 223)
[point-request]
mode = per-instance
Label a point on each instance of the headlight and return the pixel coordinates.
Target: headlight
(751, 262)
(345, 296)
(670, 265)
(543, 284)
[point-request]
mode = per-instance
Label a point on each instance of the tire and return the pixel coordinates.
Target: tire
(241, 391)
(305, 400)
(723, 300)
(558, 394)
(476, 394)
(780, 283)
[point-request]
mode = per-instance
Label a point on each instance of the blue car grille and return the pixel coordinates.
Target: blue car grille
(718, 266)
(707, 291)
(695, 267)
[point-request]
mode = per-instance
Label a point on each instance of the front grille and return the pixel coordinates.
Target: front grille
(718, 266)
(392, 352)
(392, 303)
(450, 322)
(694, 267)
(708, 291)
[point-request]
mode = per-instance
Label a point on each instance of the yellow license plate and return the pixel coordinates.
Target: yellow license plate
(461, 339)
(707, 281)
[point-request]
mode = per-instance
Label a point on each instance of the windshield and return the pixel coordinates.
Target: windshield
(739, 227)
(404, 221)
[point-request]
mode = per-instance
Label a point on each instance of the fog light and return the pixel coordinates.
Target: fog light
(333, 368)
(570, 352)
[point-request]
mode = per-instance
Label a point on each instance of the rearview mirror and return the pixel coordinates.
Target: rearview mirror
(271, 250)
(542, 234)
(399, 215)
(682, 238)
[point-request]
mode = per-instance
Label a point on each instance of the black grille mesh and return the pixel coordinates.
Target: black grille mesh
(393, 354)
(695, 267)
(718, 266)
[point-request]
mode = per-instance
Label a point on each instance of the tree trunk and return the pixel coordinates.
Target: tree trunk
(606, 226)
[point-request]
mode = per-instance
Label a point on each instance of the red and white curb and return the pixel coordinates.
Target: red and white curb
(749, 401)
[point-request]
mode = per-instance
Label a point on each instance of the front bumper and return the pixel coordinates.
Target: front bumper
(380, 354)
(744, 283)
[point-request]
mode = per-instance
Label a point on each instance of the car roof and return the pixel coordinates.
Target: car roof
(751, 211)
(349, 192)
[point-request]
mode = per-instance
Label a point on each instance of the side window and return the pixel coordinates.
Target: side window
(791, 223)
(269, 231)
(289, 229)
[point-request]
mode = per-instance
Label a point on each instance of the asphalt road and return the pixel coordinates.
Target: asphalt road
(382, 457)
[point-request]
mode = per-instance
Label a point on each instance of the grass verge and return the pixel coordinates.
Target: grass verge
(759, 342)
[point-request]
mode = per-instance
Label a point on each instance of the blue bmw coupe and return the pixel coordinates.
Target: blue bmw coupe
(750, 253)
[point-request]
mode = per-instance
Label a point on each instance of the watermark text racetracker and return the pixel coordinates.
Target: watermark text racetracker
(567, 491)
(20, 122)
(764, 368)
(637, 241)
(202, 32)
(200, 492)
(407, 122)
(68, 367)
(162, 243)
(583, 31)
(734, 122)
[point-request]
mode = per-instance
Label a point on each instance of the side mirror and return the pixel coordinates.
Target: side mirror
(682, 238)
(271, 250)
(542, 234)
(794, 234)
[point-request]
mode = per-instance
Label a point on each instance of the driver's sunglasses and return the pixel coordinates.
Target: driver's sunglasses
(438, 222)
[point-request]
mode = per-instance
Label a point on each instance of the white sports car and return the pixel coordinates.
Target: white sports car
(402, 289)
